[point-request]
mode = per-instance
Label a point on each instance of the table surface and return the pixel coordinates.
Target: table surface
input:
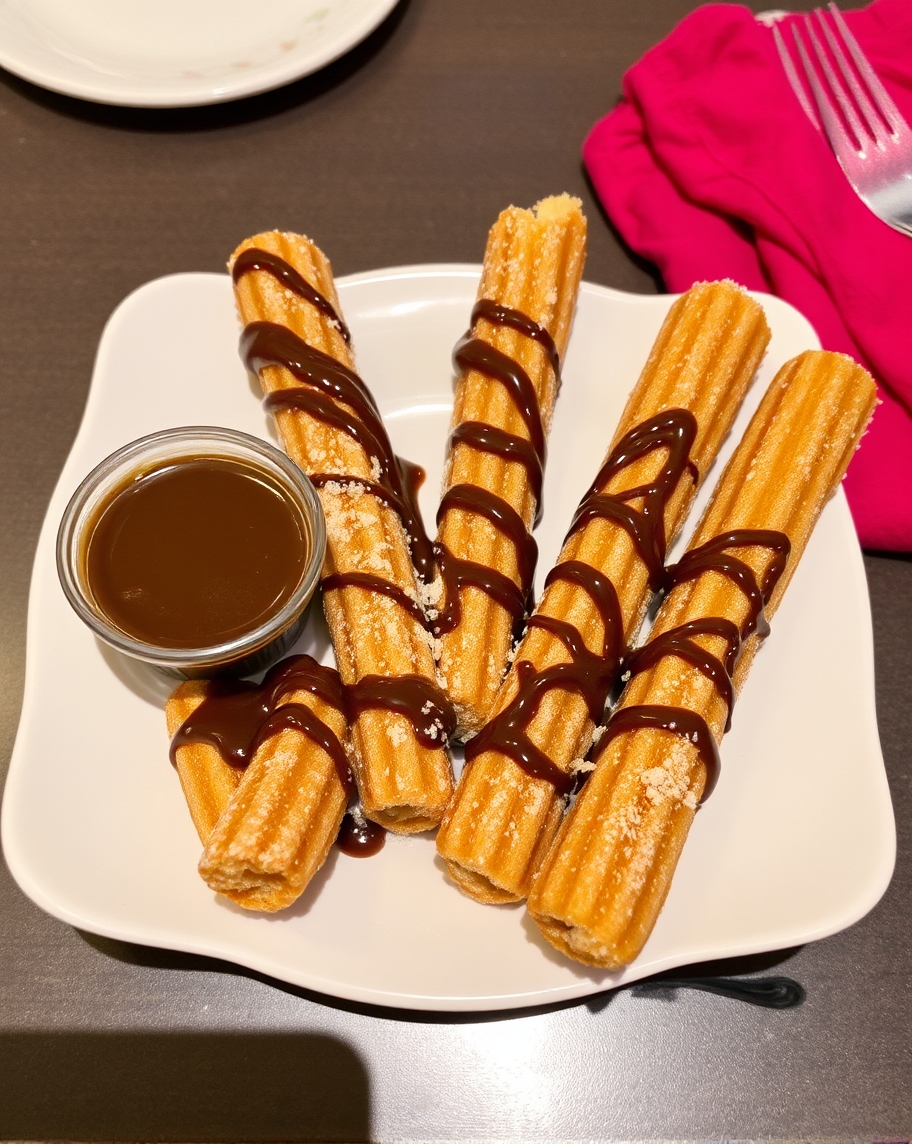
(402, 152)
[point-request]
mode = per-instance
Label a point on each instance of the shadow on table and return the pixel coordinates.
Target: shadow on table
(664, 986)
(209, 116)
(178, 1086)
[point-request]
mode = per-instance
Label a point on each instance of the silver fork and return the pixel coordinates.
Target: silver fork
(869, 137)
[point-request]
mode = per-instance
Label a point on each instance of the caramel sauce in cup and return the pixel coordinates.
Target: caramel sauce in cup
(196, 550)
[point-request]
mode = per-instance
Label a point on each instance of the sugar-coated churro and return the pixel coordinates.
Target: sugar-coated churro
(509, 375)
(295, 339)
(207, 779)
(510, 798)
(600, 889)
(285, 815)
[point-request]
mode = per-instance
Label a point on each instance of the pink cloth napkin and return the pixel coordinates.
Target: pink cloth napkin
(709, 168)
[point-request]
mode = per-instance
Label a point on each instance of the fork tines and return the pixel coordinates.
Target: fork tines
(868, 135)
(867, 109)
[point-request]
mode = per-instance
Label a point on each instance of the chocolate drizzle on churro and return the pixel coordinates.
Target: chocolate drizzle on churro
(328, 386)
(256, 259)
(679, 641)
(235, 713)
(457, 572)
(589, 674)
(413, 696)
(489, 439)
(713, 556)
(502, 516)
(237, 717)
(680, 721)
(472, 353)
(674, 430)
(371, 583)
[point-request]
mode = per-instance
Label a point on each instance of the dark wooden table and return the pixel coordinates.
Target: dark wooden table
(402, 152)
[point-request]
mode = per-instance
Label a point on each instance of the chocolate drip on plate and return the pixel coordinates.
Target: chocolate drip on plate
(359, 837)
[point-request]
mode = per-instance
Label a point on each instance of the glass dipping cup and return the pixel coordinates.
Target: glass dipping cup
(253, 650)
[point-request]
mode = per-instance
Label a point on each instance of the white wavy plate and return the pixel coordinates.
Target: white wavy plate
(168, 53)
(796, 843)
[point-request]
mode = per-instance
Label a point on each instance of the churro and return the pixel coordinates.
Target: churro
(295, 339)
(207, 779)
(600, 889)
(509, 365)
(285, 815)
(511, 796)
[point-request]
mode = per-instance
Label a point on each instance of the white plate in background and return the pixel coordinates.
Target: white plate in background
(796, 842)
(177, 53)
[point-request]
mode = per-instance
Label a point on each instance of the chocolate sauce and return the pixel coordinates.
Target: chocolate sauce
(674, 430)
(413, 696)
(680, 721)
(473, 353)
(502, 516)
(713, 556)
(237, 717)
(284, 272)
(232, 716)
(591, 675)
(326, 383)
(196, 552)
(359, 837)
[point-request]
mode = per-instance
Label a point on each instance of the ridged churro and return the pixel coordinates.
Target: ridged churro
(511, 795)
(207, 780)
(600, 889)
(509, 365)
(294, 338)
(285, 815)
